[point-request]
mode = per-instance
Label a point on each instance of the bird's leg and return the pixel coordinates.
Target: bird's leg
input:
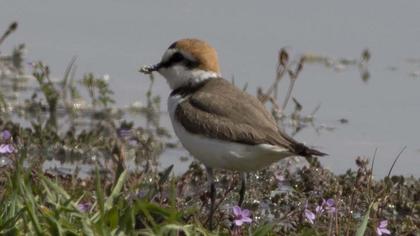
(212, 195)
(242, 190)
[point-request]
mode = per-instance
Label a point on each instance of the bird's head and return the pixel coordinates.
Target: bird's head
(187, 61)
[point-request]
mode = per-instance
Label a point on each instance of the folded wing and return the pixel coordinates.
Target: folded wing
(238, 117)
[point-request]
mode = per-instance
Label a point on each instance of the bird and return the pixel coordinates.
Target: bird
(219, 124)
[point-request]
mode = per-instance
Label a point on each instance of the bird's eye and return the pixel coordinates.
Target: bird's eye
(177, 57)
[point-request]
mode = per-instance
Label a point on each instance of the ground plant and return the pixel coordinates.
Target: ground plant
(110, 181)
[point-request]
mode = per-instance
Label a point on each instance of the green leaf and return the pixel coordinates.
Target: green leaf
(87, 229)
(50, 185)
(363, 225)
(99, 193)
(29, 202)
(263, 230)
(116, 191)
(308, 232)
(112, 218)
(55, 228)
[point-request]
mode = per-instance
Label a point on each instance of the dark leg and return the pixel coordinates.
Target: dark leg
(212, 196)
(242, 190)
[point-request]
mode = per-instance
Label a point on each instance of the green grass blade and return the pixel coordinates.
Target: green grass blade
(54, 226)
(263, 230)
(363, 225)
(50, 185)
(116, 191)
(29, 202)
(99, 193)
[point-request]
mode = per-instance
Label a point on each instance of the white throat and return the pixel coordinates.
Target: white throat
(178, 75)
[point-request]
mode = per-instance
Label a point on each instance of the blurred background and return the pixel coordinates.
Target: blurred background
(360, 109)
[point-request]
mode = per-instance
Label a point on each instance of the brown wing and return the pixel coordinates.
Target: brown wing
(238, 117)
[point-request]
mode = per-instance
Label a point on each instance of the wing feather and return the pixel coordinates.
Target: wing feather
(238, 117)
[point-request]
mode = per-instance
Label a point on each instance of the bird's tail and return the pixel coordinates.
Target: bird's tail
(305, 151)
(314, 152)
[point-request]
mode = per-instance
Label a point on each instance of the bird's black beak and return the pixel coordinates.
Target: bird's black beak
(149, 69)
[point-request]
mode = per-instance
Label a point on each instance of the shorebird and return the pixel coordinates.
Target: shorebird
(219, 124)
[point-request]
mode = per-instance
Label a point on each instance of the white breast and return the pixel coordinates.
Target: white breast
(224, 154)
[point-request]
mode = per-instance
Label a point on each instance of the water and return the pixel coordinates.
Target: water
(116, 37)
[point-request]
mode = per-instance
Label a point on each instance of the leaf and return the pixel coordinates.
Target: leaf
(50, 185)
(263, 230)
(10, 224)
(308, 232)
(116, 191)
(30, 207)
(363, 225)
(87, 228)
(55, 228)
(99, 193)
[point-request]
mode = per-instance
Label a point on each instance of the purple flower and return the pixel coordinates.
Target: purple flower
(84, 207)
(5, 134)
(127, 135)
(330, 202)
(319, 209)
(124, 133)
(381, 229)
(241, 216)
(309, 215)
(6, 148)
(279, 176)
(328, 205)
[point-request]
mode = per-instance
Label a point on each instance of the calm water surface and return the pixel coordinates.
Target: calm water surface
(115, 37)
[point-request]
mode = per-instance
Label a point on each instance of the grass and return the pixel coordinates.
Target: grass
(116, 187)
(34, 202)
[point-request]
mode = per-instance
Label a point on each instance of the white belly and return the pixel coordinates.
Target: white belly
(224, 154)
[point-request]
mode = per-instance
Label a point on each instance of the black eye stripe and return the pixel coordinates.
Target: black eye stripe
(178, 57)
(175, 58)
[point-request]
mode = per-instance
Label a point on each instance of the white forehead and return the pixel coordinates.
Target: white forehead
(168, 53)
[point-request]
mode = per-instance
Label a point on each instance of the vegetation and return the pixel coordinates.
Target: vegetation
(114, 185)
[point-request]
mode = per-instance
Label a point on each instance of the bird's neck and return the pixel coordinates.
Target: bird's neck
(190, 88)
(178, 77)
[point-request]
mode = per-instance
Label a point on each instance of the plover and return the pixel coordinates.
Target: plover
(219, 124)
